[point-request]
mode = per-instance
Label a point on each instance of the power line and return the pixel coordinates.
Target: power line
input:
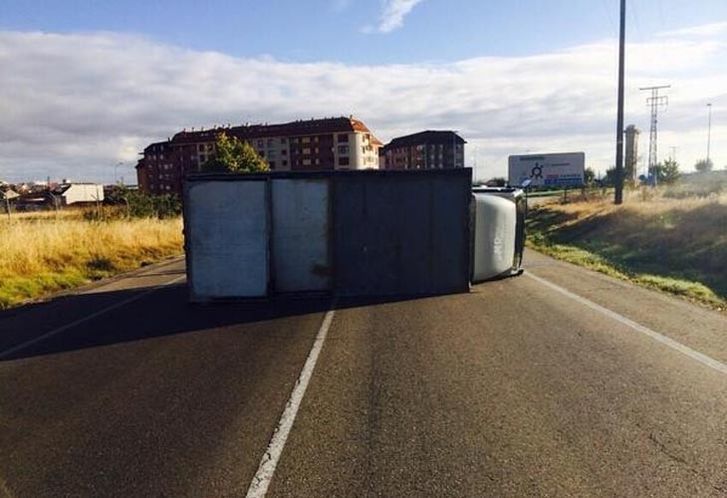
(656, 102)
(637, 24)
(609, 14)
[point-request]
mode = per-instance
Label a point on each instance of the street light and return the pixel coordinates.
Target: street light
(116, 166)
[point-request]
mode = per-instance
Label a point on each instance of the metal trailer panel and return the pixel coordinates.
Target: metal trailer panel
(301, 234)
(402, 233)
(494, 238)
(226, 238)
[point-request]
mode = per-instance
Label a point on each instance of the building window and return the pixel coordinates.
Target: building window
(283, 140)
(343, 138)
(343, 161)
(306, 140)
(202, 158)
(306, 151)
(284, 152)
(201, 147)
(261, 143)
(285, 162)
(306, 162)
(270, 142)
(343, 149)
(272, 164)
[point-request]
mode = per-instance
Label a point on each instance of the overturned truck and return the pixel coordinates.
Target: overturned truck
(347, 233)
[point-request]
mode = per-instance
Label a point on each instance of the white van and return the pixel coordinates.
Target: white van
(499, 232)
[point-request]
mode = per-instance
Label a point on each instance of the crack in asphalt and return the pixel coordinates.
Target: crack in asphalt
(683, 462)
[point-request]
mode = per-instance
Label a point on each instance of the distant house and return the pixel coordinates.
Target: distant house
(36, 201)
(8, 194)
(431, 149)
(79, 193)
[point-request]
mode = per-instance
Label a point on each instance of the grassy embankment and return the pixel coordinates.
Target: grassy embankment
(674, 241)
(42, 253)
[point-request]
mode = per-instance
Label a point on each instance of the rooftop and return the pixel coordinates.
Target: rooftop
(299, 127)
(429, 136)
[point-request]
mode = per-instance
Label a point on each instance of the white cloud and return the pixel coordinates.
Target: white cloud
(392, 15)
(705, 30)
(74, 105)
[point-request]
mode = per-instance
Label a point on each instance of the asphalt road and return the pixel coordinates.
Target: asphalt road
(567, 384)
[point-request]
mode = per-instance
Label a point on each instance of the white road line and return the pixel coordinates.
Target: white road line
(47, 335)
(695, 355)
(259, 485)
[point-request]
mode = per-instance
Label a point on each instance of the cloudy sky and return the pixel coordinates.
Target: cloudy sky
(86, 85)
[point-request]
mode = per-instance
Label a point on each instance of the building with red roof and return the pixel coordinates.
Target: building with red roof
(304, 145)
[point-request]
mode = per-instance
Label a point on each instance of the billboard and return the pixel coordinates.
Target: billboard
(547, 170)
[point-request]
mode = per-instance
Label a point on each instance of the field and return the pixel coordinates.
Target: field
(674, 239)
(41, 253)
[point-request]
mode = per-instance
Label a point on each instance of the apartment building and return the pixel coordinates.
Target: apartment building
(316, 144)
(431, 149)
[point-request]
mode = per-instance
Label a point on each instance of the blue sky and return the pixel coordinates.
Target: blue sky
(332, 30)
(87, 84)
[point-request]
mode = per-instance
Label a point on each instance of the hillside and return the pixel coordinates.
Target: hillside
(675, 241)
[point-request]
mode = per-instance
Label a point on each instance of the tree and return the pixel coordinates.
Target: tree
(668, 171)
(610, 178)
(704, 165)
(235, 156)
(589, 176)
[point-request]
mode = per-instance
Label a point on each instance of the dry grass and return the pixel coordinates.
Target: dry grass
(46, 252)
(676, 245)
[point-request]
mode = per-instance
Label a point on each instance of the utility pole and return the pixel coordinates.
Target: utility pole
(709, 130)
(655, 102)
(618, 194)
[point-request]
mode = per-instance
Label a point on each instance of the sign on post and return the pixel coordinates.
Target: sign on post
(547, 170)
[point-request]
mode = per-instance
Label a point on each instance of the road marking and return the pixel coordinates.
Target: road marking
(259, 485)
(98, 313)
(667, 341)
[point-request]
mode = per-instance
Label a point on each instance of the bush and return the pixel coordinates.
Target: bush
(698, 185)
(136, 204)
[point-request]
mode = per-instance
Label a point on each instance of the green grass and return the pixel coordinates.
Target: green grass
(679, 247)
(17, 289)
